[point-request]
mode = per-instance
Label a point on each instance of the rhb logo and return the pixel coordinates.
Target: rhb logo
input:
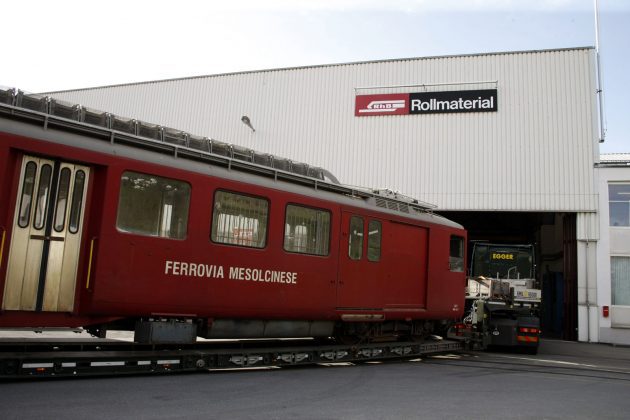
(387, 106)
(381, 104)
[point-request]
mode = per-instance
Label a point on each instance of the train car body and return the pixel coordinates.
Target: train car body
(101, 227)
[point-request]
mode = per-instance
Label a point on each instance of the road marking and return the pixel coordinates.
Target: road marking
(559, 362)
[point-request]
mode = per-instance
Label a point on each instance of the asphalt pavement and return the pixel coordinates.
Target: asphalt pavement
(565, 380)
(594, 353)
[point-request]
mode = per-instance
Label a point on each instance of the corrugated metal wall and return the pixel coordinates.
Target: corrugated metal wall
(535, 154)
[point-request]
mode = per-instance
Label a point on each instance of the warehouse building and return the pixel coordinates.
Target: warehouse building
(613, 249)
(506, 144)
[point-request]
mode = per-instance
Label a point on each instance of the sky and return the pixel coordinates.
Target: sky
(69, 44)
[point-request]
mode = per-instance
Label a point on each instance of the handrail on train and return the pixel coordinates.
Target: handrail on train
(73, 117)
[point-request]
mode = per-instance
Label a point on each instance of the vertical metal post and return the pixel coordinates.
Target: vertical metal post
(600, 89)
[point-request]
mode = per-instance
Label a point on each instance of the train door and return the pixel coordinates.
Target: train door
(407, 260)
(360, 276)
(47, 226)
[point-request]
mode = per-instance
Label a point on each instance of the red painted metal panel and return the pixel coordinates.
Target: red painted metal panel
(445, 300)
(405, 254)
(133, 275)
(225, 280)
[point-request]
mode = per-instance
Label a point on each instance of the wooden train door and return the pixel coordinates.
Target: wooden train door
(46, 236)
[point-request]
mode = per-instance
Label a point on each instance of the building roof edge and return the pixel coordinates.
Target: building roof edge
(389, 60)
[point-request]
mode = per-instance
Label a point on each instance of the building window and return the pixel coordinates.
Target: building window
(239, 220)
(619, 204)
(307, 230)
(153, 206)
(456, 255)
(355, 238)
(374, 241)
(620, 276)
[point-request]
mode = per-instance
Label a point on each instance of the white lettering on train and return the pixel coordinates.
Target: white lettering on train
(257, 275)
(263, 276)
(184, 269)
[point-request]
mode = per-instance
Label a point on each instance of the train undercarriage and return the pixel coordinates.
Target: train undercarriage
(186, 331)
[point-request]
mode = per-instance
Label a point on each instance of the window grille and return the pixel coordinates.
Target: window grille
(153, 206)
(307, 230)
(239, 220)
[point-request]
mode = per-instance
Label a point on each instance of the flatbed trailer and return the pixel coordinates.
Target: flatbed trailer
(46, 358)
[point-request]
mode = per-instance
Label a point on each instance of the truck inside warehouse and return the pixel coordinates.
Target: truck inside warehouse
(503, 297)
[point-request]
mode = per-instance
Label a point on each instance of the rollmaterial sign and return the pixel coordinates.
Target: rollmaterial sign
(427, 103)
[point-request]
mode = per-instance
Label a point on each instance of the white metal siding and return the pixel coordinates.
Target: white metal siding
(535, 154)
(588, 226)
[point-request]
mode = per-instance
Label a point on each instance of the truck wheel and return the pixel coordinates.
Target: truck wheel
(531, 350)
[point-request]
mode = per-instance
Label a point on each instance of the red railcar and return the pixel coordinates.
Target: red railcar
(106, 222)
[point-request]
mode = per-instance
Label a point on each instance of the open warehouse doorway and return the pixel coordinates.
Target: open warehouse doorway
(554, 238)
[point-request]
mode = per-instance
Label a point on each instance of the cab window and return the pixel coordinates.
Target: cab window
(456, 255)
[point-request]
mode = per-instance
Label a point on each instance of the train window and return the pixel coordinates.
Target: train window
(239, 220)
(374, 241)
(152, 205)
(307, 230)
(355, 238)
(41, 203)
(456, 255)
(28, 185)
(77, 201)
(62, 199)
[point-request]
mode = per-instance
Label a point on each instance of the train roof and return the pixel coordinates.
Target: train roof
(188, 151)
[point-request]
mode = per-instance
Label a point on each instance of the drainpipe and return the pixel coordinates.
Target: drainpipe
(587, 302)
